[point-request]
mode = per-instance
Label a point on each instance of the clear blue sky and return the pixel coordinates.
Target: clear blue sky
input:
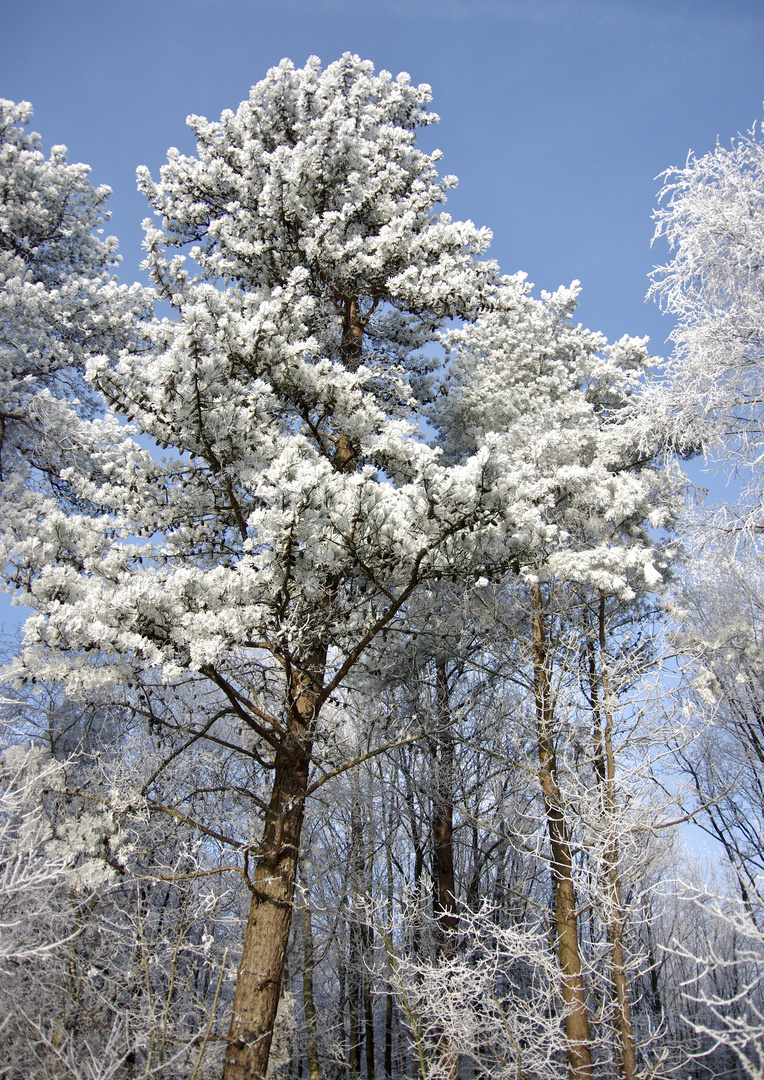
(556, 115)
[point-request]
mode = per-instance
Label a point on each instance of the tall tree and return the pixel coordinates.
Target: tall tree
(300, 507)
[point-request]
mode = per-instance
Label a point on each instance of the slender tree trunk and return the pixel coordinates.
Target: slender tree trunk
(367, 943)
(442, 835)
(368, 1013)
(353, 989)
(443, 810)
(309, 1005)
(389, 991)
(625, 1050)
(341, 997)
(355, 973)
(566, 919)
(388, 1034)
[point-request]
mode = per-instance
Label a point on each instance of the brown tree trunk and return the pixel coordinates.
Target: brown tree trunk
(258, 981)
(566, 919)
(443, 812)
(625, 1050)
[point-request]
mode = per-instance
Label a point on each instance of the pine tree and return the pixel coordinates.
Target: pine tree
(59, 302)
(300, 507)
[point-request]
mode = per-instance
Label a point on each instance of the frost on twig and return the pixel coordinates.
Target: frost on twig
(491, 1000)
(724, 998)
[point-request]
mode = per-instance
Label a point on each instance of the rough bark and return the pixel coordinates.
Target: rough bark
(258, 981)
(566, 918)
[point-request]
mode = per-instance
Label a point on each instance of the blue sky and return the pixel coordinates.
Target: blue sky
(556, 116)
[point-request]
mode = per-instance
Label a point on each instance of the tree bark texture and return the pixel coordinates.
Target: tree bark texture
(566, 919)
(258, 981)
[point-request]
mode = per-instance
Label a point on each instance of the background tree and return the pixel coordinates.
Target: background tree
(564, 410)
(60, 304)
(113, 936)
(712, 216)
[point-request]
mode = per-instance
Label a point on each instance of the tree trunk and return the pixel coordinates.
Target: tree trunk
(390, 909)
(443, 812)
(367, 944)
(309, 1005)
(368, 1011)
(444, 900)
(566, 919)
(357, 956)
(625, 1050)
(258, 981)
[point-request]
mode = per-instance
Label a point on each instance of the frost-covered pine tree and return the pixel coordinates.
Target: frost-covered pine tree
(562, 408)
(300, 507)
(59, 302)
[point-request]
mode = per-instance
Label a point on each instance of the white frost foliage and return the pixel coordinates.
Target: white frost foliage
(712, 217)
(297, 459)
(490, 997)
(59, 302)
(319, 169)
(576, 449)
(50, 861)
(29, 875)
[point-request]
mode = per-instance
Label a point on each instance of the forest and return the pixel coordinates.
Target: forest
(390, 705)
